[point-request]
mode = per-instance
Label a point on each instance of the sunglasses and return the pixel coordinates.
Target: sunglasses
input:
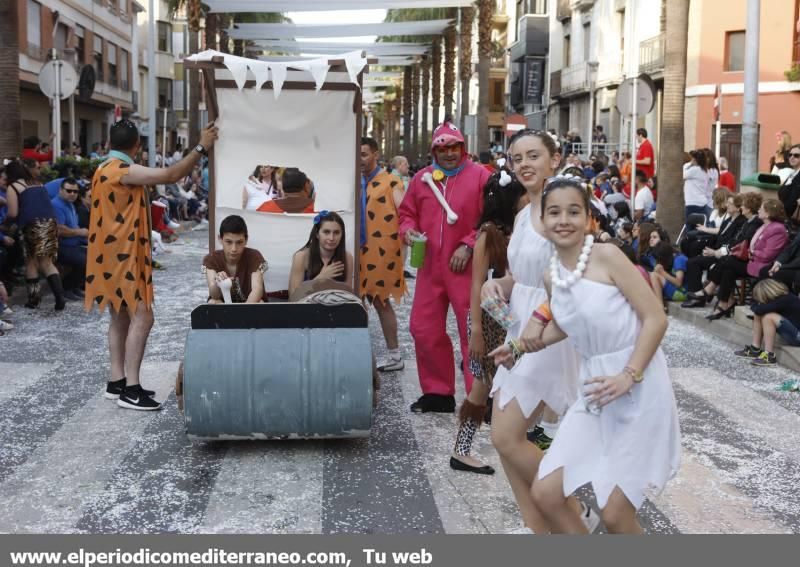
(71, 191)
(794, 155)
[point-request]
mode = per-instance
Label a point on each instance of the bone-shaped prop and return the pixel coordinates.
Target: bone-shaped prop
(452, 217)
(225, 288)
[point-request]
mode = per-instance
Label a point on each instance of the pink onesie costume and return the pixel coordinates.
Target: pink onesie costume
(437, 285)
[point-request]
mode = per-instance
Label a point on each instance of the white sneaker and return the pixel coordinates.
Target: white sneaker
(4, 326)
(6, 312)
(173, 225)
(391, 365)
(590, 518)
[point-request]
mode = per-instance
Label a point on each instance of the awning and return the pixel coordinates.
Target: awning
(326, 47)
(294, 31)
(382, 60)
(231, 6)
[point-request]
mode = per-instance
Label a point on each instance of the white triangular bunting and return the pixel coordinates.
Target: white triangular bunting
(278, 77)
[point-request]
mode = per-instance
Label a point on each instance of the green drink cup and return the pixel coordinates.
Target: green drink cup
(418, 244)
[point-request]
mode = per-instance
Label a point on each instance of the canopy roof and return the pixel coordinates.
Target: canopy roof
(232, 6)
(381, 60)
(293, 31)
(330, 47)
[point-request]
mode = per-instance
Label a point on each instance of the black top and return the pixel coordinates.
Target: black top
(747, 232)
(789, 193)
(728, 230)
(787, 306)
(789, 258)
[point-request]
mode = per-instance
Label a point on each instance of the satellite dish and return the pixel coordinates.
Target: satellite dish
(86, 83)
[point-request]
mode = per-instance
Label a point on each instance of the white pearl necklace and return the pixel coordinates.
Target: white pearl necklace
(577, 273)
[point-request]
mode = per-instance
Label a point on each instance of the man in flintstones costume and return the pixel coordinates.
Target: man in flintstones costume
(444, 202)
(119, 266)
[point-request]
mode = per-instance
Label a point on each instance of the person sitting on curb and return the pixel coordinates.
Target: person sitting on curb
(244, 267)
(775, 311)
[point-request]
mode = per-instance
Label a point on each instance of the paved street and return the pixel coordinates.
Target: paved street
(73, 462)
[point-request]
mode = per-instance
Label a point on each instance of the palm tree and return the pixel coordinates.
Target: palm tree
(426, 87)
(415, 77)
(449, 69)
(670, 170)
(485, 8)
(407, 76)
(436, 80)
(10, 117)
(465, 70)
(194, 13)
(419, 14)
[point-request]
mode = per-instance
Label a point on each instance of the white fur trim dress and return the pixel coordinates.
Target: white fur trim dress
(549, 375)
(634, 442)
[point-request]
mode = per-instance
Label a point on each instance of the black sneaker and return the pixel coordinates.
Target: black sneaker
(134, 397)
(765, 359)
(114, 389)
(435, 403)
(748, 352)
(539, 438)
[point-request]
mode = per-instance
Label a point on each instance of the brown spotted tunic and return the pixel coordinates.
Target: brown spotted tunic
(381, 262)
(119, 267)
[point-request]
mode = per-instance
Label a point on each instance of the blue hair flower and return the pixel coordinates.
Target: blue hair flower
(320, 216)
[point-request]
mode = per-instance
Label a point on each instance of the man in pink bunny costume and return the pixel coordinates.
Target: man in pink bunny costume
(446, 275)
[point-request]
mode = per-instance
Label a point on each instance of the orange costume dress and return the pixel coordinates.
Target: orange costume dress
(119, 268)
(381, 261)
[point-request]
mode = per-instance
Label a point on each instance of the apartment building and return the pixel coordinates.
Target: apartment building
(171, 94)
(96, 33)
(594, 46)
(716, 57)
(529, 62)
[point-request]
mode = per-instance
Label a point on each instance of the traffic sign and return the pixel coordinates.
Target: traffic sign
(49, 74)
(645, 95)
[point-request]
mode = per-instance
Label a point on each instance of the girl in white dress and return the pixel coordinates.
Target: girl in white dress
(538, 379)
(622, 434)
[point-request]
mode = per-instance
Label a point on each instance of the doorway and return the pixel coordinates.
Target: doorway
(730, 147)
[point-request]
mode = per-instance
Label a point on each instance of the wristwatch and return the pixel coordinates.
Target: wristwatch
(201, 150)
(636, 375)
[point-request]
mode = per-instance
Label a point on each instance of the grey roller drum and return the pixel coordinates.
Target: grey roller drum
(278, 371)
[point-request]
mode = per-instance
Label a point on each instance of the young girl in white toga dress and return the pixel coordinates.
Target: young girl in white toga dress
(622, 433)
(547, 378)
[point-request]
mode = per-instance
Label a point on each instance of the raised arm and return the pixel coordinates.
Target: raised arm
(141, 175)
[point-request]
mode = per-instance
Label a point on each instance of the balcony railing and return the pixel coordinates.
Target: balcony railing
(35, 51)
(563, 10)
(651, 54)
(575, 79)
(555, 84)
(581, 4)
(609, 72)
(497, 62)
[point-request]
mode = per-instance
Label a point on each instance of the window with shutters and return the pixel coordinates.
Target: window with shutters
(734, 51)
(97, 50)
(34, 18)
(123, 69)
(112, 64)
